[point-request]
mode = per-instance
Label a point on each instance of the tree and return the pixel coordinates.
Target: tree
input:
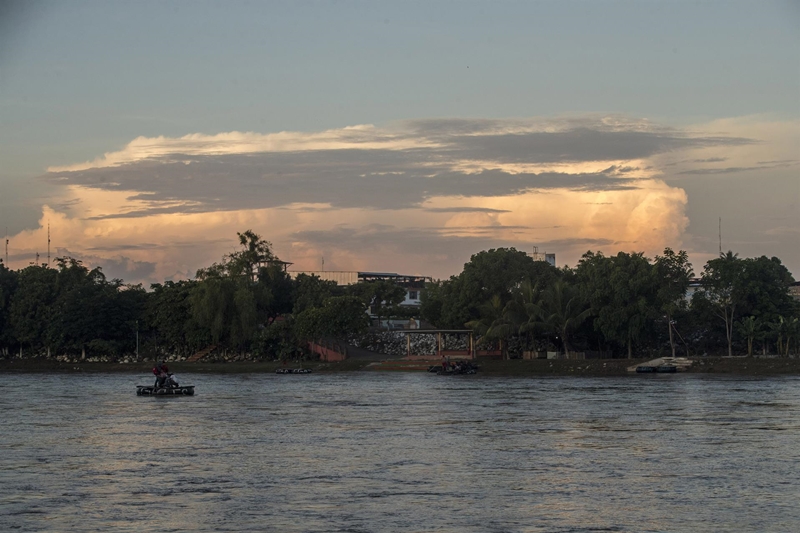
(563, 310)
(311, 291)
(765, 288)
(497, 272)
(749, 328)
(379, 295)
(524, 311)
(340, 317)
(785, 329)
(31, 306)
(722, 287)
(169, 316)
(248, 290)
(90, 312)
(450, 304)
(673, 273)
(494, 324)
(254, 254)
(432, 301)
(756, 286)
(622, 292)
(8, 286)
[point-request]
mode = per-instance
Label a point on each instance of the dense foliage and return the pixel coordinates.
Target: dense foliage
(625, 304)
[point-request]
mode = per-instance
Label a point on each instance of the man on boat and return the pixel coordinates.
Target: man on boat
(161, 372)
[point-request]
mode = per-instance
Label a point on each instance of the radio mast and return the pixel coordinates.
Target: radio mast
(720, 236)
(7, 247)
(48, 245)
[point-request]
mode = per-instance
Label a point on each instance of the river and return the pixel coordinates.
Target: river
(415, 452)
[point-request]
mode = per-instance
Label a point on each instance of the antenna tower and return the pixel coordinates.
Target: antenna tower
(48, 244)
(323, 263)
(7, 247)
(720, 236)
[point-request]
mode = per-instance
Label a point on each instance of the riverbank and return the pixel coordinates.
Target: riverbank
(598, 367)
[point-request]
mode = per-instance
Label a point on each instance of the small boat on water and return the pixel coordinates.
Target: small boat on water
(660, 369)
(150, 390)
(293, 371)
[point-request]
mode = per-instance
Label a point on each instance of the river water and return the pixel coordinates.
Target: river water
(374, 452)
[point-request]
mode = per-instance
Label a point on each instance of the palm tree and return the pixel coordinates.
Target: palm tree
(525, 311)
(781, 329)
(563, 310)
(494, 323)
(791, 330)
(750, 328)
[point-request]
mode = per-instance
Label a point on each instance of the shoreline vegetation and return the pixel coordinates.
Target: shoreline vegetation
(742, 366)
(505, 303)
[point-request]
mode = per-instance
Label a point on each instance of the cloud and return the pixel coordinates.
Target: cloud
(400, 166)
(414, 196)
(710, 160)
(465, 209)
(762, 165)
(365, 137)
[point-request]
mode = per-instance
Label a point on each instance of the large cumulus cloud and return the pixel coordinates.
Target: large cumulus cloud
(416, 196)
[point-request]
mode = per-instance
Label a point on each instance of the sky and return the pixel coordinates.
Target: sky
(397, 136)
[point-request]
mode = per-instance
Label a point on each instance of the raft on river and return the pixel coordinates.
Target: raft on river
(662, 365)
(149, 390)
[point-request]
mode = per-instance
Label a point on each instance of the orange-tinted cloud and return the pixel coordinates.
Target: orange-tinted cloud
(417, 197)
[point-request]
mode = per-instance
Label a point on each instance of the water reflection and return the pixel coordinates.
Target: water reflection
(400, 452)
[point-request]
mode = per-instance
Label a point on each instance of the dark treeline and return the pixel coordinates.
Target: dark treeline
(626, 304)
(245, 304)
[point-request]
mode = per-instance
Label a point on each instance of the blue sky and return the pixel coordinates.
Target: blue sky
(81, 79)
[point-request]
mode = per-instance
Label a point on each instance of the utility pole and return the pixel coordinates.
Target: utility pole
(7, 247)
(323, 263)
(720, 236)
(48, 245)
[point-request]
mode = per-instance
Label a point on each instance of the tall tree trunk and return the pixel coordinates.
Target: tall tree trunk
(729, 333)
(671, 340)
(630, 349)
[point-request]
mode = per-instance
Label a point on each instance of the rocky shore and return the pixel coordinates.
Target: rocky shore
(747, 366)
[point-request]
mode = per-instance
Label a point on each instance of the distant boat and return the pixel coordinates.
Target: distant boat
(660, 369)
(293, 371)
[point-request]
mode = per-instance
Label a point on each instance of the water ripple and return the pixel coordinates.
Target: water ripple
(367, 452)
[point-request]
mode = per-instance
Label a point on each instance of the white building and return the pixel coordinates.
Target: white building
(539, 256)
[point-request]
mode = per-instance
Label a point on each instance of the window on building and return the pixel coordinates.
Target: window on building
(412, 295)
